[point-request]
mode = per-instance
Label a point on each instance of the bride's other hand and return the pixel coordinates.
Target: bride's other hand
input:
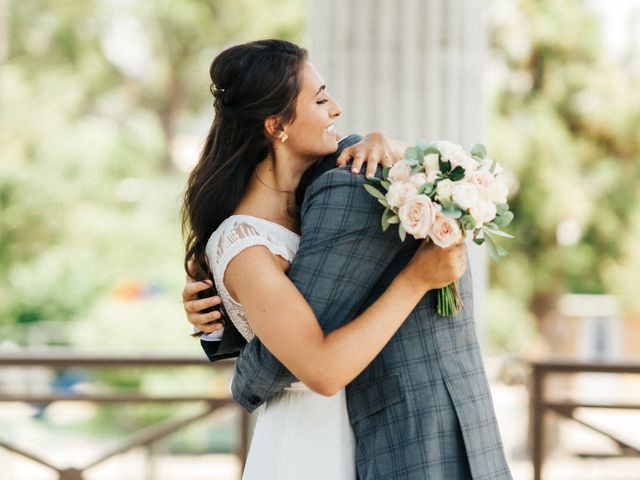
(194, 307)
(375, 148)
(432, 267)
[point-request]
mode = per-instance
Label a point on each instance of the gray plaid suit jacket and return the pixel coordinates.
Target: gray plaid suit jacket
(422, 409)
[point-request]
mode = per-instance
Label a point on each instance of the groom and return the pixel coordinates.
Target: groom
(422, 409)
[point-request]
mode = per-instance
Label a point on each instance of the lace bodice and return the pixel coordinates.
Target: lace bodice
(235, 234)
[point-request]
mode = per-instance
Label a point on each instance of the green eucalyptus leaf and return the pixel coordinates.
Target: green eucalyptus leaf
(411, 153)
(431, 149)
(467, 222)
(478, 241)
(386, 184)
(492, 226)
(452, 212)
(508, 218)
(502, 208)
(499, 233)
(479, 151)
(374, 181)
(374, 191)
(385, 172)
(385, 222)
(383, 202)
(500, 221)
(394, 219)
(402, 233)
(493, 251)
(422, 143)
(427, 189)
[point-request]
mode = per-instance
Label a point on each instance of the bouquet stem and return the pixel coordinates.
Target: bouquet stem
(449, 300)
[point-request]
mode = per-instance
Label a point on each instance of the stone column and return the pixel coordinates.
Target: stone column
(409, 68)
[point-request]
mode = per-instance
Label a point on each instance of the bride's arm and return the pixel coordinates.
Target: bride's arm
(285, 323)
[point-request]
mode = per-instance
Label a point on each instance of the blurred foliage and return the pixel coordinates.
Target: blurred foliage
(566, 122)
(103, 105)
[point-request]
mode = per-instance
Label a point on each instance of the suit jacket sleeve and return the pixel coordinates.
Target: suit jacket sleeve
(343, 252)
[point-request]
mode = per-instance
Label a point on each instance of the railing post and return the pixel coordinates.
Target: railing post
(536, 415)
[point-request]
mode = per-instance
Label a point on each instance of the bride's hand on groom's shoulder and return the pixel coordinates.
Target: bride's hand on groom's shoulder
(201, 312)
(374, 149)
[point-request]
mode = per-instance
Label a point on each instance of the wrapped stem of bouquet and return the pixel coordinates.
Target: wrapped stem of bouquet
(438, 192)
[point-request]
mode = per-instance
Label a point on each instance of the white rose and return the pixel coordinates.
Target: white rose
(482, 179)
(482, 212)
(450, 151)
(400, 172)
(432, 176)
(444, 190)
(469, 164)
(431, 163)
(465, 195)
(399, 193)
(417, 216)
(445, 231)
(487, 164)
(497, 193)
(418, 179)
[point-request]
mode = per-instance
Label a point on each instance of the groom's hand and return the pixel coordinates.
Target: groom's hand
(374, 149)
(201, 312)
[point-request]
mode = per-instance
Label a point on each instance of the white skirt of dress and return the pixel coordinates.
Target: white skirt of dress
(302, 435)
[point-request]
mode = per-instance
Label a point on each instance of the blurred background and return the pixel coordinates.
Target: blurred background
(104, 105)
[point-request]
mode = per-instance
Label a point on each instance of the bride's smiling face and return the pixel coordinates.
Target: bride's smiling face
(312, 131)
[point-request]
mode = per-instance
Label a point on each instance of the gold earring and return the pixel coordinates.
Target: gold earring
(284, 137)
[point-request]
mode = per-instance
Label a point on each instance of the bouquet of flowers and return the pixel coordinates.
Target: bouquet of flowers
(438, 192)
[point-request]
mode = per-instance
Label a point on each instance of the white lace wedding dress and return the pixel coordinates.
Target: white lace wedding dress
(299, 435)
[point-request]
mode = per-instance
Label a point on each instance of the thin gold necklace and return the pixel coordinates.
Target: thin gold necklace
(292, 208)
(270, 188)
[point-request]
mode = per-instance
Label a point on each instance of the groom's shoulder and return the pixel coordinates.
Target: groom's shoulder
(336, 177)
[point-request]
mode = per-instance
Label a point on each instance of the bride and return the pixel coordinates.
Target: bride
(274, 118)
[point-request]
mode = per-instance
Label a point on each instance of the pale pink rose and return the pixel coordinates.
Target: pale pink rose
(418, 180)
(399, 193)
(465, 195)
(417, 216)
(482, 179)
(445, 231)
(400, 172)
(483, 211)
(497, 193)
(444, 190)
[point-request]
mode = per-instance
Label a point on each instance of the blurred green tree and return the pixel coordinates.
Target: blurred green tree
(566, 121)
(103, 104)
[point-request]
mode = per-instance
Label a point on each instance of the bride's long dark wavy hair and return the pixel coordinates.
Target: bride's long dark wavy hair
(250, 82)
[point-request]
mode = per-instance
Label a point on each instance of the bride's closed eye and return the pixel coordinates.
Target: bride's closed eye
(320, 102)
